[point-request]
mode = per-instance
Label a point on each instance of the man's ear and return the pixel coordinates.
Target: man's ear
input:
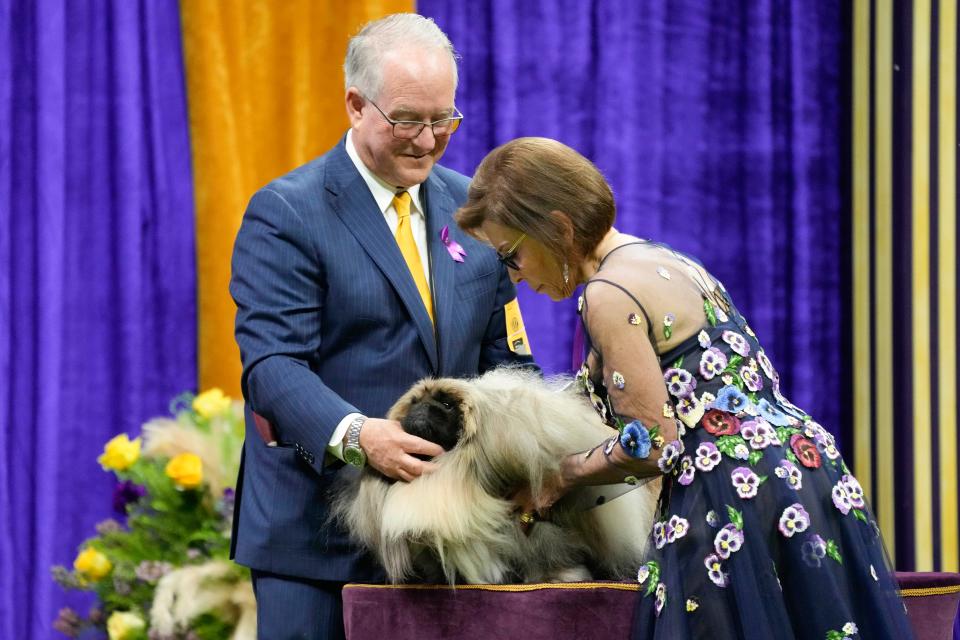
(355, 103)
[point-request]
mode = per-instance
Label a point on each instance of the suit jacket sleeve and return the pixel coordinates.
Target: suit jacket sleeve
(495, 351)
(278, 285)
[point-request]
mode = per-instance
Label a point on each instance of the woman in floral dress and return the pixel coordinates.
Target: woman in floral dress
(763, 531)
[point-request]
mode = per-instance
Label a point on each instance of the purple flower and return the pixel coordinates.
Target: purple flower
(814, 550)
(854, 491)
(751, 379)
(745, 482)
(687, 471)
(841, 499)
(704, 339)
(758, 433)
(708, 456)
(713, 519)
(660, 534)
(661, 598)
(794, 519)
(767, 366)
(715, 570)
(680, 382)
(677, 527)
(671, 453)
(791, 473)
(712, 363)
(126, 493)
(737, 342)
(68, 622)
(728, 540)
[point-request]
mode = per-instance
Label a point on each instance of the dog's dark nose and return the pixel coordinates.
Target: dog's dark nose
(435, 418)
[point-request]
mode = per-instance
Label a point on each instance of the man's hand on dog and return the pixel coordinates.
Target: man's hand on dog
(390, 450)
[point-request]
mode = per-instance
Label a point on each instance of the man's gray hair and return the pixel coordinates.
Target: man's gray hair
(363, 66)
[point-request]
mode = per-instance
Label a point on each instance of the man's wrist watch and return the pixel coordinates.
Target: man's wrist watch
(352, 453)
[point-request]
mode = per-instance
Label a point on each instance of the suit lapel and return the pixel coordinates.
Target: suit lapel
(354, 204)
(439, 206)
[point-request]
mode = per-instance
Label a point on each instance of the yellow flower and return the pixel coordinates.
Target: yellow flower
(186, 470)
(211, 403)
(92, 564)
(124, 624)
(120, 453)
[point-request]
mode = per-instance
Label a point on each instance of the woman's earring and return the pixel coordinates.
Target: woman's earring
(566, 273)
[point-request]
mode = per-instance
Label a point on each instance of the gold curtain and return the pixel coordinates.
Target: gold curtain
(265, 93)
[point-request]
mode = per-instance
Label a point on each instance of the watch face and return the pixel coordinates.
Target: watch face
(354, 456)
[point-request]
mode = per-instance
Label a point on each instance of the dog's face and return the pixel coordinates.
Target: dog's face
(434, 410)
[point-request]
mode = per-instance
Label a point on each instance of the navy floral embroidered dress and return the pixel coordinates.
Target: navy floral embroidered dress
(763, 531)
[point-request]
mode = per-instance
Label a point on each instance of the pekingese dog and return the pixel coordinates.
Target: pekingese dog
(505, 430)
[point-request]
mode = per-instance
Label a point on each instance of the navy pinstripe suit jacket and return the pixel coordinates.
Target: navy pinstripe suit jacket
(329, 321)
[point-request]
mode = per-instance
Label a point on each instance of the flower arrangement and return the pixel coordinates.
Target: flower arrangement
(164, 573)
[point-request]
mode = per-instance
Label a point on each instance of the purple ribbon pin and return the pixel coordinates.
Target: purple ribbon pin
(453, 247)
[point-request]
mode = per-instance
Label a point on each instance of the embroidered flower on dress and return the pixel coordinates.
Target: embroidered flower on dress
(707, 456)
(737, 342)
(728, 540)
(794, 519)
(677, 527)
(715, 570)
(805, 451)
(690, 410)
(693, 604)
(704, 339)
(687, 471)
(854, 491)
(745, 481)
(791, 473)
(720, 423)
(712, 363)
(713, 519)
(751, 379)
(758, 433)
(767, 366)
(841, 500)
(643, 573)
(660, 534)
(671, 453)
(850, 629)
(661, 598)
(668, 410)
(813, 550)
(707, 398)
(680, 382)
(731, 399)
(772, 414)
(668, 321)
(740, 452)
(634, 319)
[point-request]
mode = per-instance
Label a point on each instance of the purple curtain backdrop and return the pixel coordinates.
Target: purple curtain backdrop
(97, 293)
(722, 127)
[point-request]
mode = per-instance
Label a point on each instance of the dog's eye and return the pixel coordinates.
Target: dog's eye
(446, 404)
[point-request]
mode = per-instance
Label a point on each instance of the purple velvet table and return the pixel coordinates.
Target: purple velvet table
(583, 610)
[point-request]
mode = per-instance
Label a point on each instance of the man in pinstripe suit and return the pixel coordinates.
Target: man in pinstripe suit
(338, 313)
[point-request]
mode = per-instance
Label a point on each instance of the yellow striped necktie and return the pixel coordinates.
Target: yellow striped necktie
(408, 247)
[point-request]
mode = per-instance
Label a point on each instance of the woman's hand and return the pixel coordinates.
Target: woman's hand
(532, 508)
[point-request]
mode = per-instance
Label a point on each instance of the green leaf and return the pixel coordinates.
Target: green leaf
(791, 456)
(784, 433)
(833, 551)
(736, 517)
(754, 457)
(753, 397)
(653, 578)
(678, 363)
(728, 444)
(733, 365)
(709, 312)
(860, 515)
(835, 635)
(667, 331)
(761, 480)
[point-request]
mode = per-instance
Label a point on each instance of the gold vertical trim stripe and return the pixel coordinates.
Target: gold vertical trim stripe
(861, 243)
(947, 282)
(920, 358)
(885, 501)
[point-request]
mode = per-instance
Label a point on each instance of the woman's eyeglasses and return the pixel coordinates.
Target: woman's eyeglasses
(508, 258)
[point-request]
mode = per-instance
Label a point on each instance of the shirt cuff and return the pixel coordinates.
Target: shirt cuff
(335, 446)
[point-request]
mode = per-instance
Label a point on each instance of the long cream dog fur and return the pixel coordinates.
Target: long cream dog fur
(457, 524)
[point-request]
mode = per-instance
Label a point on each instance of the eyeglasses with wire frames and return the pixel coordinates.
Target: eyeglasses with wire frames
(410, 129)
(508, 258)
